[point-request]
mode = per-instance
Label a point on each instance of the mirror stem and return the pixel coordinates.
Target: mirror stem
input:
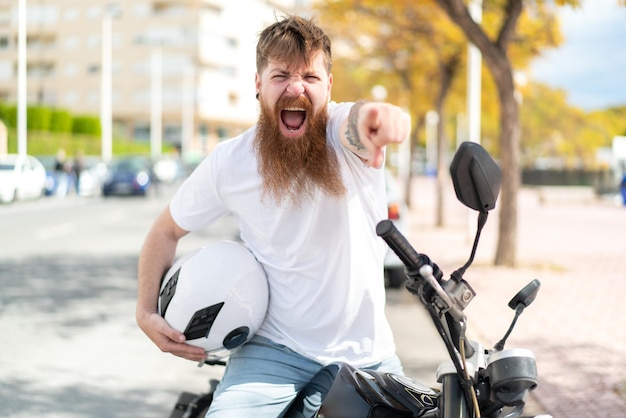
(482, 220)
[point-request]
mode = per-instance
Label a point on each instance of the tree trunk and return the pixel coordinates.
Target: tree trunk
(496, 59)
(506, 249)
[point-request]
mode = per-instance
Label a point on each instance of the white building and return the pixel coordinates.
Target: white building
(184, 65)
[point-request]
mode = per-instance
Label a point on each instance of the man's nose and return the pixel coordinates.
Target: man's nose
(295, 87)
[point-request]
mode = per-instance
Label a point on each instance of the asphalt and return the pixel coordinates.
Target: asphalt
(573, 242)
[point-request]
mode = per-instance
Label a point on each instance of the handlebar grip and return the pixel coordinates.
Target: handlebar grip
(398, 243)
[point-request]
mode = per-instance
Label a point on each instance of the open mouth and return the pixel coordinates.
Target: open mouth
(293, 121)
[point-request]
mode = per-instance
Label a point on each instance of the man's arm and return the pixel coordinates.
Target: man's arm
(157, 255)
(370, 126)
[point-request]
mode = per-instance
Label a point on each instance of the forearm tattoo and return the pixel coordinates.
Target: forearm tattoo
(352, 133)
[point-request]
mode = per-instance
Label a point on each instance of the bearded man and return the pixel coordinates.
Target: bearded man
(306, 188)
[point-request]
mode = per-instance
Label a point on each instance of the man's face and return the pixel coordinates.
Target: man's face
(280, 83)
(294, 157)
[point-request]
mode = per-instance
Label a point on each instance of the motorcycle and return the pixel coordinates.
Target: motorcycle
(476, 381)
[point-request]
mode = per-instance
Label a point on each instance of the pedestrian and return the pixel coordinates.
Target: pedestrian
(62, 170)
(306, 187)
(77, 170)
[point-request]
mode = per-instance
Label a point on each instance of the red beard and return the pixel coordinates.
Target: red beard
(293, 169)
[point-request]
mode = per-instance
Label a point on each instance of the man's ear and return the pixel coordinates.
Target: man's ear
(330, 85)
(257, 83)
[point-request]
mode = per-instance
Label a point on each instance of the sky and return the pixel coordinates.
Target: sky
(590, 64)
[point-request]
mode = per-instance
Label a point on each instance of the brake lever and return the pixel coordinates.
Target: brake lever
(445, 302)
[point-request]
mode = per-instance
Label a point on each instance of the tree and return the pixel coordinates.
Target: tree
(495, 54)
(411, 44)
(408, 47)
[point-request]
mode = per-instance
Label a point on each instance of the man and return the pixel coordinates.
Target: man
(307, 191)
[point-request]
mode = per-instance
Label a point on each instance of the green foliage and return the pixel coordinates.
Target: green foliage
(85, 124)
(51, 129)
(556, 131)
(403, 44)
(61, 121)
(44, 119)
(38, 118)
(8, 114)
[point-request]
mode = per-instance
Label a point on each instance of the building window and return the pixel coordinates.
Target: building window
(71, 42)
(94, 12)
(5, 17)
(70, 98)
(71, 14)
(71, 69)
(232, 42)
(222, 133)
(6, 70)
(42, 14)
(172, 134)
(40, 69)
(141, 131)
(93, 41)
(93, 68)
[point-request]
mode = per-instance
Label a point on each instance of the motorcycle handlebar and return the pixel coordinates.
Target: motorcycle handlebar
(399, 244)
(413, 260)
(428, 271)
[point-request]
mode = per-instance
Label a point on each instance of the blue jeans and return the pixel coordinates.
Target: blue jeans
(263, 378)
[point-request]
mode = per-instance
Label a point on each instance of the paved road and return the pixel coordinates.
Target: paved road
(69, 346)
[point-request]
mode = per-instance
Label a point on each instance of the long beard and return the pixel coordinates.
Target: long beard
(292, 169)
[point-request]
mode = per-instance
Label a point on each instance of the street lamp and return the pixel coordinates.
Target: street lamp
(187, 113)
(21, 78)
(155, 42)
(474, 78)
(156, 104)
(106, 113)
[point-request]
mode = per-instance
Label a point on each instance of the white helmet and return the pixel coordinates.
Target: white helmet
(216, 295)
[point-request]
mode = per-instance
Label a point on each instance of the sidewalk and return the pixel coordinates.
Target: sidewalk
(574, 244)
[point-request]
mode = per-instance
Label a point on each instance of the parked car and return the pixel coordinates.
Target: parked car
(128, 176)
(398, 212)
(21, 177)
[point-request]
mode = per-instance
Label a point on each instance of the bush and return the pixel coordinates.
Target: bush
(8, 114)
(51, 129)
(61, 121)
(38, 118)
(87, 125)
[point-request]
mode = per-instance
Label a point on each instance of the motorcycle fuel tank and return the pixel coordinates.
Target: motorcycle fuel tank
(366, 393)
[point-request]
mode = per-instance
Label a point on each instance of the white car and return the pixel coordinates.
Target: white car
(398, 213)
(21, 177)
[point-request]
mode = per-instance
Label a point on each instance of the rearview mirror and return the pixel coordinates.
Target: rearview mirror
(476, 177)
(526, 296)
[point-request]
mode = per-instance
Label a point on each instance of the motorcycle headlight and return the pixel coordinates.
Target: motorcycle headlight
(512, 374)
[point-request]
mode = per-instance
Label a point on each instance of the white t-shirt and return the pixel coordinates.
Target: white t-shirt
(323, 259)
